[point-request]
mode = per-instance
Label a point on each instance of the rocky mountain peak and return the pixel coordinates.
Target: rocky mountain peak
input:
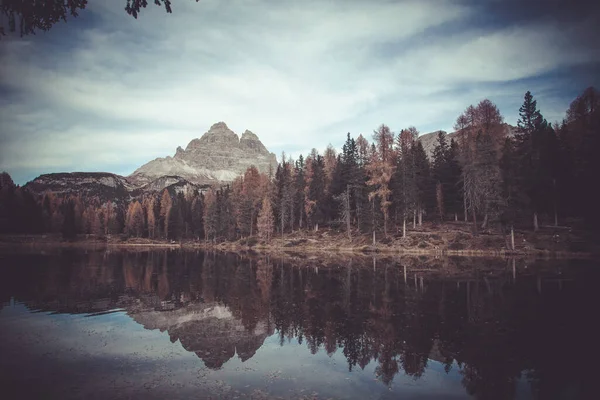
(248, 135)
(219, 126)
(218, 156)
(251, 142)
(220, 132)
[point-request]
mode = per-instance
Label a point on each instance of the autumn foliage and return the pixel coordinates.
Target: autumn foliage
(483, 174)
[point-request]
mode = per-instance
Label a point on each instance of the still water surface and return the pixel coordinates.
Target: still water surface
(172, 324)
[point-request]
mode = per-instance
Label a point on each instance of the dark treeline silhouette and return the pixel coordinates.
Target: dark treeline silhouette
(483, 174)
(536, 326)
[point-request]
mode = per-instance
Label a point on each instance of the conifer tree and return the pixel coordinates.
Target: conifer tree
(579, 141)
(425, 186)
(225, 218)
(405, 188)
(149, 206)
(134, 220)
(165, 210)
(362, 147)
(300, 197)
(452, 190)
(210, 215)
(266, 220)
(488, 180)
(198, 215)
(440, 172)
(110, 218)
(241, 207)
(315, 189)
(381, 169)
(510, 191)
(176, 224)
(283, 196)
(529, 129)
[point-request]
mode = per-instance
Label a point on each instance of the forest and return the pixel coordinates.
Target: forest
(542, 175)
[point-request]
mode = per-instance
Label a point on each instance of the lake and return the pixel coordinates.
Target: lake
(101, 324)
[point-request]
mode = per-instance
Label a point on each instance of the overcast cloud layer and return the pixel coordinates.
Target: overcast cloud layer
(106, 92)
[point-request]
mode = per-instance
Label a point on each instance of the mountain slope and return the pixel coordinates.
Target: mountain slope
(103, 185)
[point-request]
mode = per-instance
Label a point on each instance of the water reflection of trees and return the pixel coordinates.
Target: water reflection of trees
(491, 327)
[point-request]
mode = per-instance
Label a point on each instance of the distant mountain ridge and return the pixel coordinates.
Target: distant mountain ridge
(429, 139)
(217, 157)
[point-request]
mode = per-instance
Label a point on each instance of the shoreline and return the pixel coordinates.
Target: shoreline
(284, 245)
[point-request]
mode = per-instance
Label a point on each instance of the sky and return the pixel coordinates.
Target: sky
(107, 92)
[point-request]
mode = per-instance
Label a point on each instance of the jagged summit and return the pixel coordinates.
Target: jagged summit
(248, 135)
(219, 155)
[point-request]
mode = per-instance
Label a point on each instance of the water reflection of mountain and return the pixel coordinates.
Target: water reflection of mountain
(492, 326)
(209, 330)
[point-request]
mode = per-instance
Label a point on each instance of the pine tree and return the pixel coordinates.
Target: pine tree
(134, 220)
(510, 190)
(405, 188)
(425, 186)
(266, 220)
(580, 140)
(225, 217)
(362, 146)
(300, 184)
(165, 210)
(488, 179)
(241, 208)
(315, 189)
(283, 195)
(440, 171)
(452, 190)
(149, 206)
(440, 157)
(176, 223)
(380, 171)
(198, 215)
(290, 203)
(210, 215)
(535, 149)
(529, 122)
(439, 196)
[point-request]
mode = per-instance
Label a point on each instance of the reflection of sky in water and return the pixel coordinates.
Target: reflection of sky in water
(95, 355)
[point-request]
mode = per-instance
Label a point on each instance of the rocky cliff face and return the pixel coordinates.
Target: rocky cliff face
(216, 157)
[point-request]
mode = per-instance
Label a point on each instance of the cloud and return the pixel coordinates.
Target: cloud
(109, 92)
